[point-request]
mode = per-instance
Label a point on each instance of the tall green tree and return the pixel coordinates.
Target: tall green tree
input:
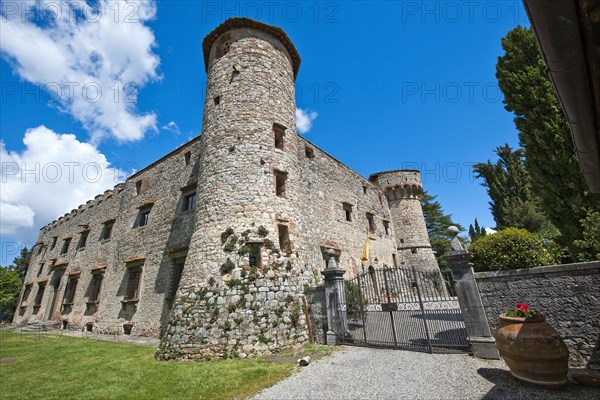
(544, 134)
(476, 231)
(11, 281)
(509, 187)
(437, 222)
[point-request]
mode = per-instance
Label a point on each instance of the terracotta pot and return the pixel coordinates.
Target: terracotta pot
(533, 350)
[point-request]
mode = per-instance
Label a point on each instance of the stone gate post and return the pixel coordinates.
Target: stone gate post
(335, 300)
(480, 338)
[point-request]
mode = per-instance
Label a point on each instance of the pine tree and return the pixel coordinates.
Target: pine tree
(544, 134)
(476, 232)
(437, 223)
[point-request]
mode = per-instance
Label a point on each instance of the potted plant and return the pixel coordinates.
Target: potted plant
(531, 348)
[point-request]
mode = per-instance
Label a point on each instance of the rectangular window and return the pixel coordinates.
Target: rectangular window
(348, 211)
(40, 294)
(176, 272)
(254, 257)
(40, 269)
(284, 239)
(133, 283)
(394, 260)
(279, 132)
(280, 180)
(188, 158)
(26, 292)
(53, 245)
(364, 190)
(65, 246)
(83, 240)
(70, 290)
(309, 152)
(107, 230)
(189, 201)
(143, 217)
(138, 187)
(95, 287)
(371, 221)
(386, 226)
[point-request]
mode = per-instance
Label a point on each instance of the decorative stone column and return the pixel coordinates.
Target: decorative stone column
(479, 336)
(335, 300)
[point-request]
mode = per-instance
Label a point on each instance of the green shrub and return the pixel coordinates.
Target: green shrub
(510, 248)
(588, 249)
(354, 302)
(227, 267)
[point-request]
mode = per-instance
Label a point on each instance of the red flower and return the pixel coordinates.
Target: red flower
(523, 307)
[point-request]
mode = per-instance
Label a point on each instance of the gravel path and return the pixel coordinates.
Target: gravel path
(366, 373)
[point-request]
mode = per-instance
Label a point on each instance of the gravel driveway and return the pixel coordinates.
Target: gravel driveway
(366, 373)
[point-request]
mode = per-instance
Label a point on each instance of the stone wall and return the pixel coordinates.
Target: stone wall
(153, 247)
(567, 295)
(317, 312)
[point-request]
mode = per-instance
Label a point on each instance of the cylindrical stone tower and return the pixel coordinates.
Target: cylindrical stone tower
(404, 191)
(241, 288)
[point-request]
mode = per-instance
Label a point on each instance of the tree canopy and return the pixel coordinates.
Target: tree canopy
(437, 223)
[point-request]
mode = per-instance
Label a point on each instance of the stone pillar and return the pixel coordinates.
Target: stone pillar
(481, 341)
(334, 286)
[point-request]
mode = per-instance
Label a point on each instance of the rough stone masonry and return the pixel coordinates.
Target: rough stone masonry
(212, 246)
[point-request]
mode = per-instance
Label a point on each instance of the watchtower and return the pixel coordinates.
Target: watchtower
(404, 191)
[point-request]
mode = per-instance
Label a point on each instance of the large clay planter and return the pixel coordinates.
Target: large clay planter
(533, 350)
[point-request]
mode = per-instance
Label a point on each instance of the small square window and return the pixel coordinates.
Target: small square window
(143, 217)
(106, 230)
(280, 181)
(217, 100)
(83, 240)
(65, 246)
(371, 221)
(413, 250)
(348, 211)
(309, 152)
(279, 132)
(189, 201)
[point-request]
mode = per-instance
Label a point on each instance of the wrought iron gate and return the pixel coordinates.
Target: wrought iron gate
(403, 309)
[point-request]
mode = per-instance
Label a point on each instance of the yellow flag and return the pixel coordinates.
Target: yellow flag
(365, 254)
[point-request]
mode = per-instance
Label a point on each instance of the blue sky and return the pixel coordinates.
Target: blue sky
(389, 85)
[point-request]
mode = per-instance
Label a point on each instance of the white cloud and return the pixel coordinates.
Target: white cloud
(172, 127)
(54, 174)
(304, 120)
(91, 60)
(490, 231)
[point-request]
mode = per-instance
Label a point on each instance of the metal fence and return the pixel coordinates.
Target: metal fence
(401, 308)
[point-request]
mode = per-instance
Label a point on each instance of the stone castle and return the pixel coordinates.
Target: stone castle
(212, 246)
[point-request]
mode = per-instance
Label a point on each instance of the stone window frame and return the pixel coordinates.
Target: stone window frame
(26, 294)
(280, 183)
(279, 136)
(187, 197)
(187, 158)
(107, 228)
(371, 222)
(175, 276)
(386, 227)
(65, 246)
(95, 287)
(53, 244)
(70, 290)
(347, 207)
(139, 185)
(283, 235)
(39, 296)
(133, 282)
(84, 235)
(143, 218)
(256, 249)
(40, 269)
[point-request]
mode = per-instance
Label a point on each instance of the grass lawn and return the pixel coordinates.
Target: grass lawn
(60, 367)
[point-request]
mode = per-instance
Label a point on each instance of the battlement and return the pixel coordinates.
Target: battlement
(399, 184)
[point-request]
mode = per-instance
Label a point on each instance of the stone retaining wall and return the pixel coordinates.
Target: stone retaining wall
(568, 296)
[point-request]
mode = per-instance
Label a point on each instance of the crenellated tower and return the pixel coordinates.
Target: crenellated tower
(404, 191)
